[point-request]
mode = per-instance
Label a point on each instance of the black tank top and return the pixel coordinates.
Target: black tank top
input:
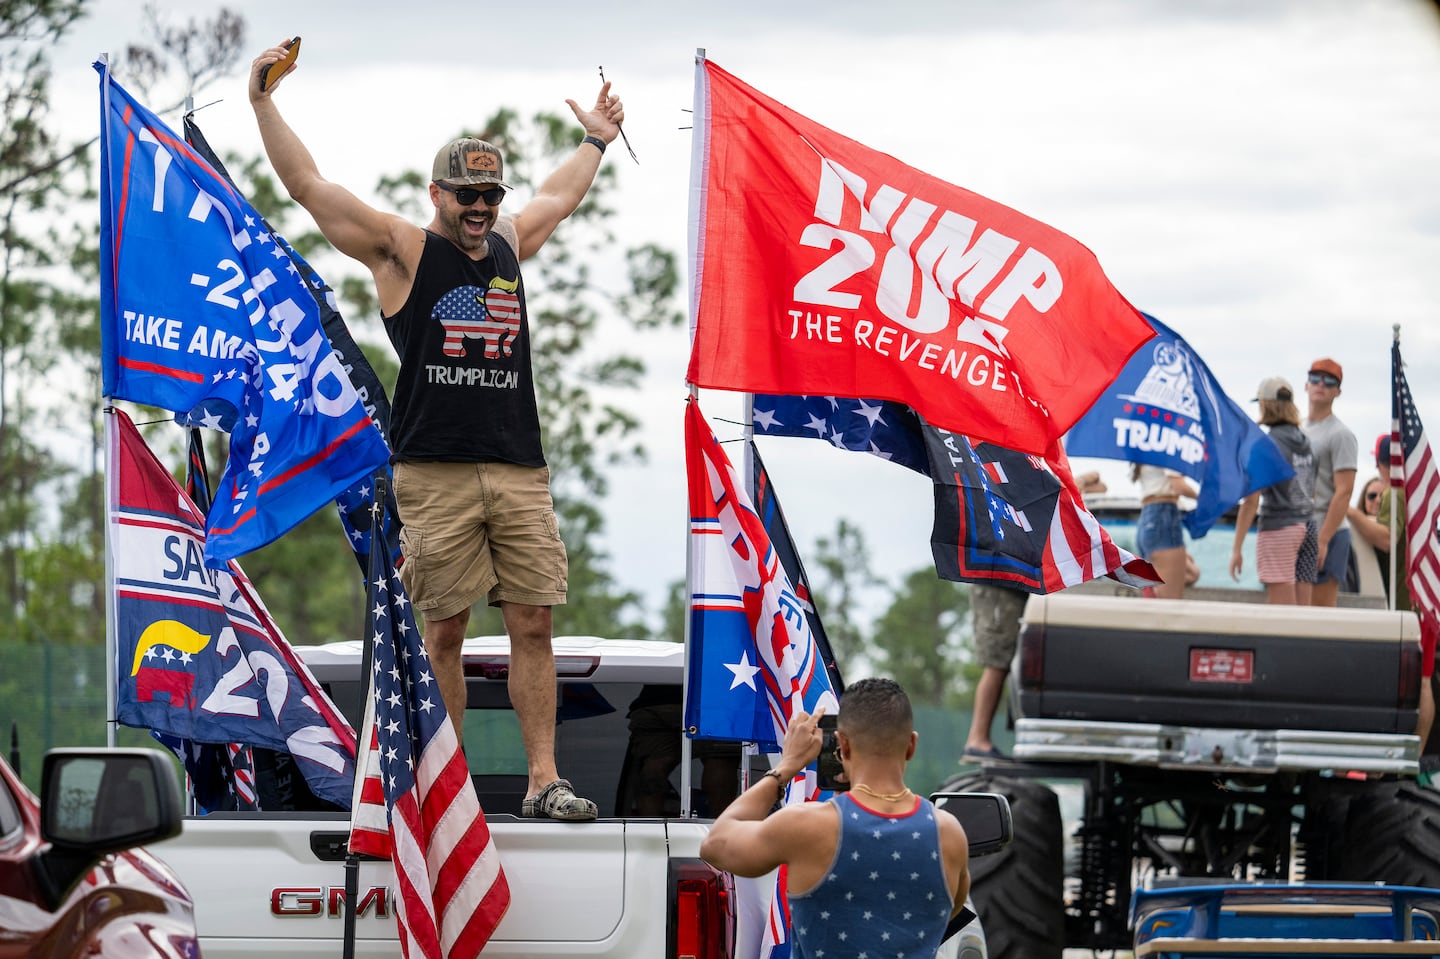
(466, 392)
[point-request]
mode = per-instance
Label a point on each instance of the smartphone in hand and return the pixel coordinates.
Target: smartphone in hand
(277, 69)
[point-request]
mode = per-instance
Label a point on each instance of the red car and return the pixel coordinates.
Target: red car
(72, 882)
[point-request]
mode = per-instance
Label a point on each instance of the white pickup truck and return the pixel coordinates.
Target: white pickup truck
(630, 884)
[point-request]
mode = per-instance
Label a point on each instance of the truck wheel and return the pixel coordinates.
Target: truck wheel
(1392, 835)
(1019, 891)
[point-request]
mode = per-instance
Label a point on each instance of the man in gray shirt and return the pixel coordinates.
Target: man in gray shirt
(1336, 458)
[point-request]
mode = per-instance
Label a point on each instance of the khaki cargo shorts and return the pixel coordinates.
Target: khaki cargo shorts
(997, 612)
(478, 529)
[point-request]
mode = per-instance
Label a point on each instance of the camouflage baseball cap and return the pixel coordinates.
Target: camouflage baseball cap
(469, 161)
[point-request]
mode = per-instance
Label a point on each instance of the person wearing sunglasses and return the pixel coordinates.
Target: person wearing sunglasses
(471, 480)
(1336, 458)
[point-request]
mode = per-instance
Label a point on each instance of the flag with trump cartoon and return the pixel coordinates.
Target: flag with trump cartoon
(1167, 409)
(198, 656)
(200, 307)
(753, 658)
(874, 279)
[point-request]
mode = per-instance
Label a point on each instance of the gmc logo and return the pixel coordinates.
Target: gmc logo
(327, 901)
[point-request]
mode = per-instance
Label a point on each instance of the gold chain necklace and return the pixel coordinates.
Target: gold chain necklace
(888, 797)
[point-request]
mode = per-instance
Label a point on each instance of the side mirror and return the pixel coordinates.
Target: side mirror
(98, 801)
(985, 816)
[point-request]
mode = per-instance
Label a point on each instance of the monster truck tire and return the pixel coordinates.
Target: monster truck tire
(1019, 891)
(1392, 835)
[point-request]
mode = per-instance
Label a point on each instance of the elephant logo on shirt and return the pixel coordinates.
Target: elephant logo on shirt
(491, 315)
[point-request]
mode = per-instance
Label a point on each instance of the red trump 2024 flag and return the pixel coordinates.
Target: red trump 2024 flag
(824, 267)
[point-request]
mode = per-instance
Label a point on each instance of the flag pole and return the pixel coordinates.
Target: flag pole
(375, 572)
(1394, 478)
(696, 185)
(112, 481)
(112, 497)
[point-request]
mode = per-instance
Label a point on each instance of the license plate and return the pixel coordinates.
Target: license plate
(1222, 666)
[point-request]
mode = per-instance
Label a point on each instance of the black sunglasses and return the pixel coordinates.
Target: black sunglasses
(466, 195)
(1326, 378)
(1373, 494)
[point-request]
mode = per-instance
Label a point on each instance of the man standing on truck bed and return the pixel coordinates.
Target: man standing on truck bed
(1336, 458)
(470, 476)
(882, 875)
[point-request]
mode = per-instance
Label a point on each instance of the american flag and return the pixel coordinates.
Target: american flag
(883, 428)
(1417, 473)
(415, 803)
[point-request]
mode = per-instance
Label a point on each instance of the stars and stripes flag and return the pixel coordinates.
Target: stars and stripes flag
(1413, 467)
(414, 802)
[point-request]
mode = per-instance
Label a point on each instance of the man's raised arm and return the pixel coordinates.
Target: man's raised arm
(352, 226)
(562, 191)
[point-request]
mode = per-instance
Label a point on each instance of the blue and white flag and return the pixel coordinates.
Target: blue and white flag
(200, 305)
(1167, 409)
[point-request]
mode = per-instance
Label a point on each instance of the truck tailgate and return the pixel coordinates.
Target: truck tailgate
(1200, 663)
(274, 884)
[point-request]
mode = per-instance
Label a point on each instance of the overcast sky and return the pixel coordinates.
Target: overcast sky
(1259, 174)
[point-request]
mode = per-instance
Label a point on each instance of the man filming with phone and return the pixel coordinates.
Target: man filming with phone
(874, 869)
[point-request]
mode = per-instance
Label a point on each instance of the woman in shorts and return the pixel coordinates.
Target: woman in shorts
(1287, 546)
(1159, 534)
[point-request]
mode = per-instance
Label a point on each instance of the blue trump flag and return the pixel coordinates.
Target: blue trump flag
(1167, 409)
(199, 305)
(353, 504)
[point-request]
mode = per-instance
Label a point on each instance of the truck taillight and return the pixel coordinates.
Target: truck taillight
(1032, 656)
(1409, 692)
(701, 920)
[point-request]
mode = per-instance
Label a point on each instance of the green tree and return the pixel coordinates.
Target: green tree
(841, 578)
(39, 311)
(922, 640)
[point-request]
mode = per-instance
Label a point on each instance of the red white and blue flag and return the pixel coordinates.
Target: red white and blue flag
(753, 659)
(874, 279)
(1017, 520)
(201, 308)
(198, 656)
(1001, 516)
(414, 802)
(1413, 466)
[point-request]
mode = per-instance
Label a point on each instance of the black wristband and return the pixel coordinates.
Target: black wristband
(595, 141)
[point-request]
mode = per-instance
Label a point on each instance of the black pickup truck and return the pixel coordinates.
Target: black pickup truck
(1205, 738)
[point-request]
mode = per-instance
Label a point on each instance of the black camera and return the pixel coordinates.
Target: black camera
(829, 771)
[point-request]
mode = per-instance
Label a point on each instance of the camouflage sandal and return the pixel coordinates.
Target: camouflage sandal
(558, 801)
